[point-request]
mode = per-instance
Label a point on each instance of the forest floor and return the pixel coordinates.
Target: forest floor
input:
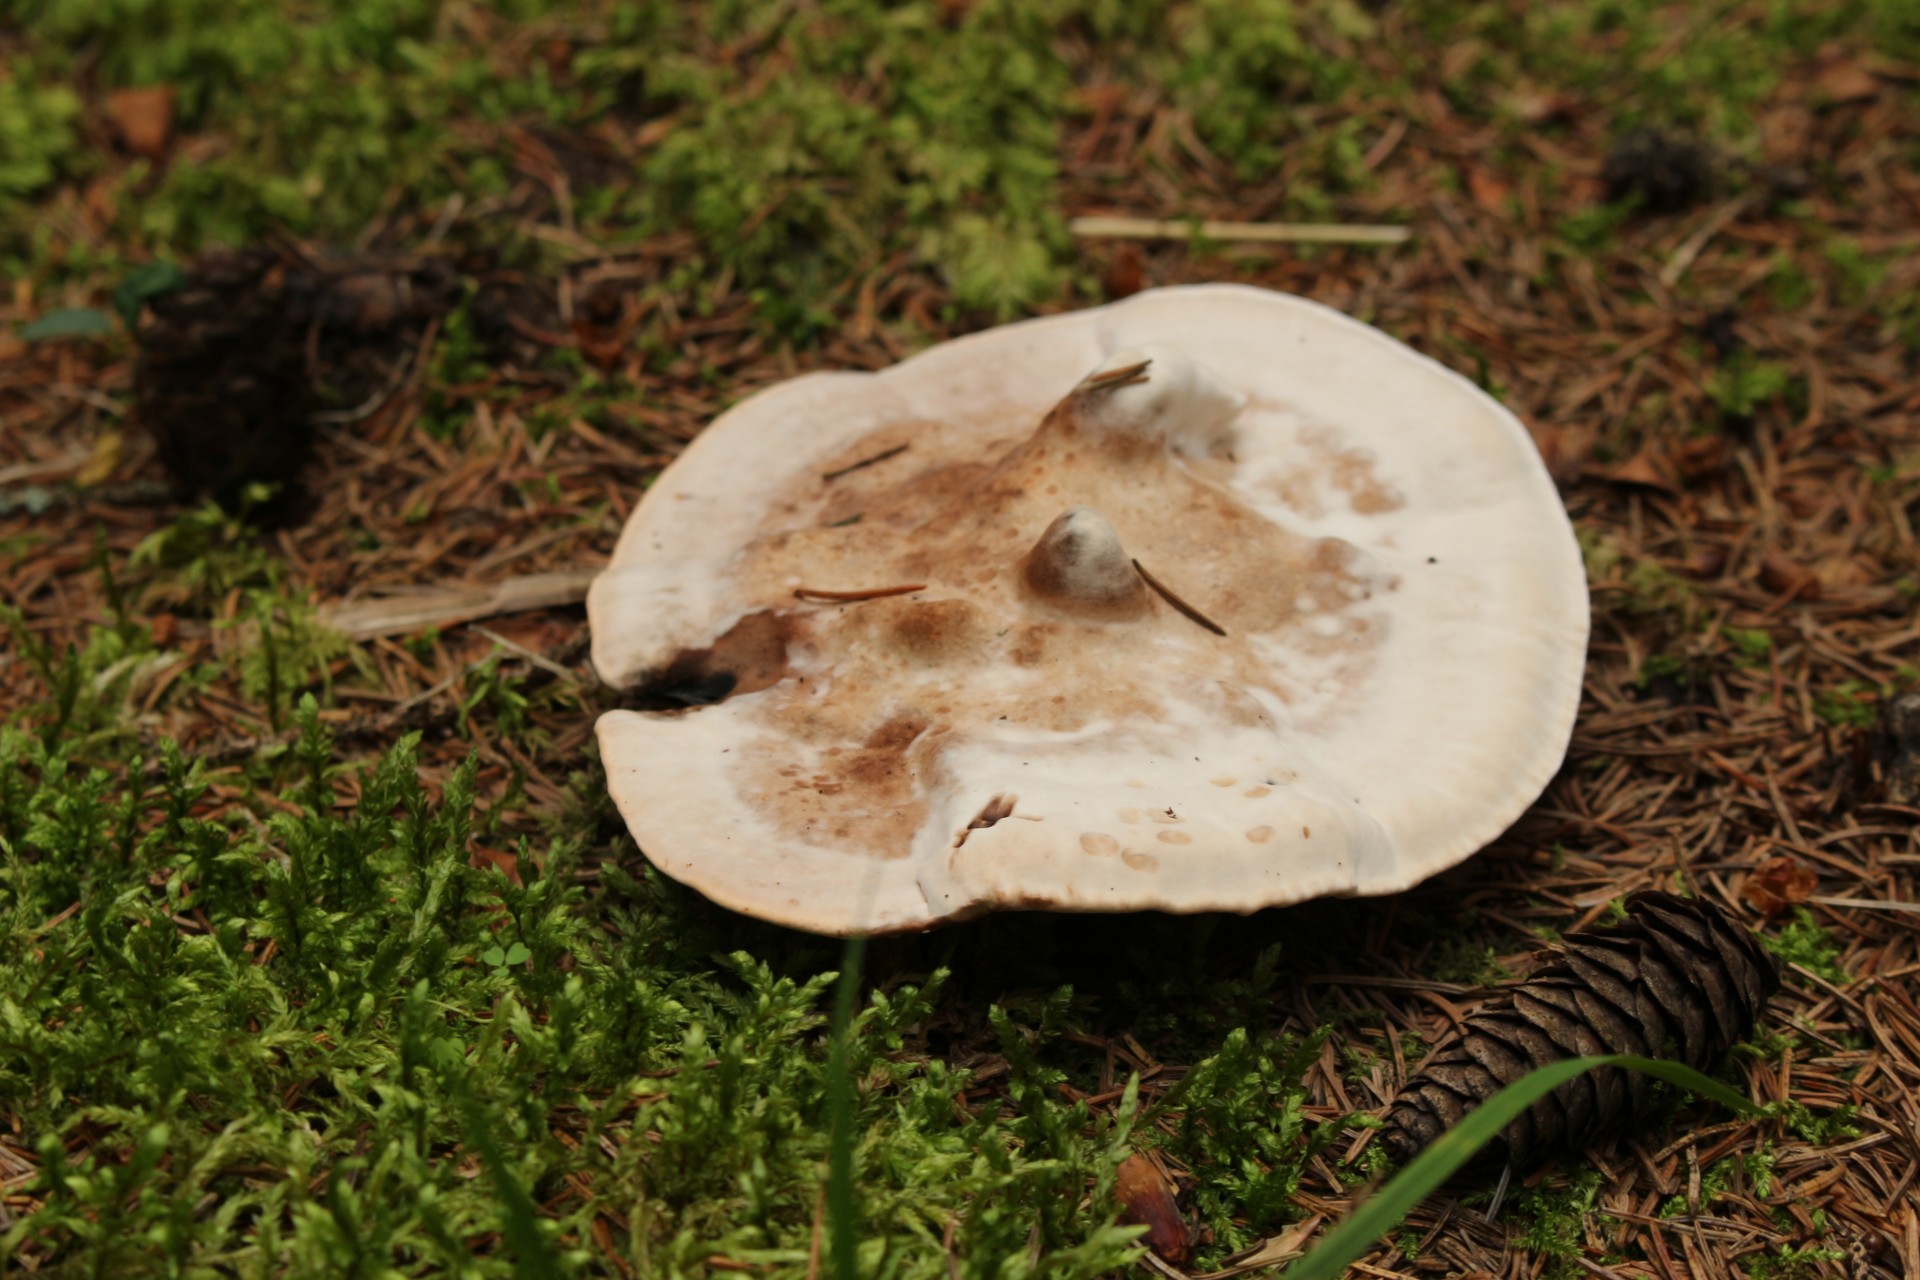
(324, 953)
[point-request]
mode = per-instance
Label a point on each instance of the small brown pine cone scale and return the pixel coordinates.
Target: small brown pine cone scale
(1700, 961)
(1644, 980)
(1687, 1022)
(1676, 978)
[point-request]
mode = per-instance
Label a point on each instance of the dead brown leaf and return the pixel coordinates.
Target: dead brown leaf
(1488, 190)
(506, 863)
(1146, 1199)
(1700, 457)
(1126, 274)
(1784, 132)
(142, 119)
(1269, 1252)
(1541, 106)
(1784, 578)
(1844, 79)
(103, 461)
(1782, 883)
(1646, 467)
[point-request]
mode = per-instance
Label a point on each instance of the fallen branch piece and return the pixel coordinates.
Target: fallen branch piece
(1690, 248)
(44, 469)
(1868, 904)
(1105, 227)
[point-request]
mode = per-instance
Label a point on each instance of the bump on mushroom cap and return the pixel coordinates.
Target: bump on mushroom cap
(1176, 401)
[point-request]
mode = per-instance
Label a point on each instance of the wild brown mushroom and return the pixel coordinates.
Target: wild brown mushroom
(1266, 606)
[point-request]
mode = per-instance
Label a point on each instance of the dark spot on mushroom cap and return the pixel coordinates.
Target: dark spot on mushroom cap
(751, 656)
(693, 689)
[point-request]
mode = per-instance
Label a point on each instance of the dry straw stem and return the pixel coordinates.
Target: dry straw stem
(446, 606)
(1117, 227)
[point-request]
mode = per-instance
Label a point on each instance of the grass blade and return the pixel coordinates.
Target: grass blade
(1404, 1192)
(68, 322)
(841, 1234)
(519, 1215)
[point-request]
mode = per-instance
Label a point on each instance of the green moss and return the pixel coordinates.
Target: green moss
(801, 149)
(1852, 703)
(1791, 286)
(1751, 646)
(351, 1006)
(1652, 588)
(1803, 942)
(37, 134)
(272, 1021)
(1242, 1129)
(1555, 1221)
(1792, 1262)
(1857, 272)
(1715, 1181)
(1743, 384)
(1470, 963)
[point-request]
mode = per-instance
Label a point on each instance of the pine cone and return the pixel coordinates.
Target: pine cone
(1676, 979)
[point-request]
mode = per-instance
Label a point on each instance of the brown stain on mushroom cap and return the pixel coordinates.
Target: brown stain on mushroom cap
(866, 798)
(917, 631)
(1326, 462)
(949, 524)
(982, 643)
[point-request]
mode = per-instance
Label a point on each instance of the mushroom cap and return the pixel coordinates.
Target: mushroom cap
(894, 671)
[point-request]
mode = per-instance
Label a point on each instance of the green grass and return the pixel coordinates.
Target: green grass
(302, 1039)
(808, 148)
(1557, 1219)
(1802, 941)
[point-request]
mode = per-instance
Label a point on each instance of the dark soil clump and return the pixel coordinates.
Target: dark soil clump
(222, 380)
(1666, 174)
(233, 364)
